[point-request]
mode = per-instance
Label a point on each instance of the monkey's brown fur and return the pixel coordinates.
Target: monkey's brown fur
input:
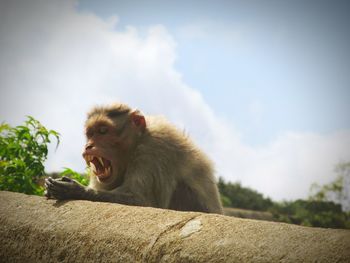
(152, 164)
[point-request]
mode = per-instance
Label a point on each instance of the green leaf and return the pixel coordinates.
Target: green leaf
(23, 150)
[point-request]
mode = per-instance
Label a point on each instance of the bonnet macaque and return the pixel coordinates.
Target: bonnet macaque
(143, 161)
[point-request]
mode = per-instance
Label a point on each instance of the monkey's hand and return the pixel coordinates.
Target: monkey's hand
(64, 188)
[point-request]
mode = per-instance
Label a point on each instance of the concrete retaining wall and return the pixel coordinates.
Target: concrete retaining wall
(33, 229)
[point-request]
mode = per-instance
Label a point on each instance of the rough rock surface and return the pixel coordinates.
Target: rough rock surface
(33, 229)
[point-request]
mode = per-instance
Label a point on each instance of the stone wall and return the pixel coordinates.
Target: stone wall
(33, 229)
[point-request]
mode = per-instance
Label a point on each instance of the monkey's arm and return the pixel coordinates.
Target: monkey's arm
(65, 188)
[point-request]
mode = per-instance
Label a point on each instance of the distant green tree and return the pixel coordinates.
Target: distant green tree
(311, 213)
(226, 202)
(315, 213)
(237, 196)
(23, 149)
(338, 190)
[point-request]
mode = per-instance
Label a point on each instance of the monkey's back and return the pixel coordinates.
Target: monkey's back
(184, 175)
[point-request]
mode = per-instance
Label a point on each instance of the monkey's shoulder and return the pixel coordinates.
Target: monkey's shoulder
(164, 141)
(160, 130)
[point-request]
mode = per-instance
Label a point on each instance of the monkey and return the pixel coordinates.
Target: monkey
(141, 161)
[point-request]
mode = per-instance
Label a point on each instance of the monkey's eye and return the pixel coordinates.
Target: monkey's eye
(89, 133)
(102, 130)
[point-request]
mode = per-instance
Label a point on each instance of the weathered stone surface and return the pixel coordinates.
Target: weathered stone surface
(250, 214)
(33, 229)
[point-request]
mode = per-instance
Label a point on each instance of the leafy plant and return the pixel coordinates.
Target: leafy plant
(81, 178)
(23, 150)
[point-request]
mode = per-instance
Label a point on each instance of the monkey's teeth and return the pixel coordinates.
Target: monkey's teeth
(93, 167)
(88, 158)
(100, 160)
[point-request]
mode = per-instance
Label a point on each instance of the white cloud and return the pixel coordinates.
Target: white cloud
(57, 63)
(287, 167)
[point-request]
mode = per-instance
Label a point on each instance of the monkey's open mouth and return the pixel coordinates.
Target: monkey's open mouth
(100, 166)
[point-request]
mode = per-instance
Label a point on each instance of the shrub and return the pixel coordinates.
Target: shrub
(23, 150)
(81, 178)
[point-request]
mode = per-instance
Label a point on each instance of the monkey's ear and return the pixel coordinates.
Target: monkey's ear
(138, 119)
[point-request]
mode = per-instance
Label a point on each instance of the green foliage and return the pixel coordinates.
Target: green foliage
(311, 213)
(226, 202)
(337, 191)
(235, 195)
(316, 213)
(81, 178)
(23, 150)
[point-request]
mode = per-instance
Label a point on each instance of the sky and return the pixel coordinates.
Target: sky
(263, 87)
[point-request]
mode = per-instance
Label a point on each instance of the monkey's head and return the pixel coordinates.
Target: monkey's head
(112, 133)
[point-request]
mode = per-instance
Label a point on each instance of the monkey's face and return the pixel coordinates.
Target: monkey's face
(109, 143)
(99, 153)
